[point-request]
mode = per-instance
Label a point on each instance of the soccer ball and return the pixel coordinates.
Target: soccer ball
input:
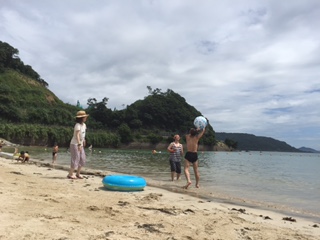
(200, 122)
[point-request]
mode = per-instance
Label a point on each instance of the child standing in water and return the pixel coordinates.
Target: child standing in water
(55, 153)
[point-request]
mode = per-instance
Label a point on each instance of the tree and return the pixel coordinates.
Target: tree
(231, 143)
(99, 111)
(125, 133)
(9, 59)
(91, 102)
(156, 91)
(105, 101)
(7, 54)
(154, 138)
(149, 90)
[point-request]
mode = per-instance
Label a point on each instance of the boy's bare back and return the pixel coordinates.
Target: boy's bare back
(192, 141)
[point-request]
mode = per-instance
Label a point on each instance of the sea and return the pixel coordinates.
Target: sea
(278, 181)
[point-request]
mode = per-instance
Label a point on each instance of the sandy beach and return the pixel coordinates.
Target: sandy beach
(39, 202)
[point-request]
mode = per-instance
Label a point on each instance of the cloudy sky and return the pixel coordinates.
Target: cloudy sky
(248, 66)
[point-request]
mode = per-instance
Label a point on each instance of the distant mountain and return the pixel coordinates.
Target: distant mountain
(250, 142)
(309, 150)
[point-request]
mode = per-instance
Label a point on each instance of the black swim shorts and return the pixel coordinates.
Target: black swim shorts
(191, 156)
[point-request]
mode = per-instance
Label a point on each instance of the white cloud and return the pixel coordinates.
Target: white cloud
(249, 66)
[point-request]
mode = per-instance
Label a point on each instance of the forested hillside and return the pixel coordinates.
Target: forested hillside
(24, 100)
(159, 113)
(24, 97)
(31, 114)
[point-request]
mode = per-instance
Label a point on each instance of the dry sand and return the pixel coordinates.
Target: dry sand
(41, 203)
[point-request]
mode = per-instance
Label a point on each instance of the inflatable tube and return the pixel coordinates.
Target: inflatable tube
(6, 155)
(124, 183)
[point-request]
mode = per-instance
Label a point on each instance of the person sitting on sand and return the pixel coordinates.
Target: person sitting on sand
(23, 157)
(191, 157)
(26, 157)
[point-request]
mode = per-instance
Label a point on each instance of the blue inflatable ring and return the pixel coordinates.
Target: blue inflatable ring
(124, 183)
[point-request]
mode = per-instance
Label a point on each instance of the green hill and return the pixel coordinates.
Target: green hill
(24, 100)
(250, 142)
(156, 118)
(24, 96)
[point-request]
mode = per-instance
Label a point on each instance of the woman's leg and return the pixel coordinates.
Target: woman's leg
(74, 160)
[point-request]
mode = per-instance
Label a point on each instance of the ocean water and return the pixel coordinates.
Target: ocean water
(280, 181)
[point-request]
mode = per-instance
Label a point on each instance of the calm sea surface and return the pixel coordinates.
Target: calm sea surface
(281, 181)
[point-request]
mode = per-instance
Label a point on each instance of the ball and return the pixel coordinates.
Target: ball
(200, 122)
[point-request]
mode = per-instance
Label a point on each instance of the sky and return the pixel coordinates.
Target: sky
(248, 66)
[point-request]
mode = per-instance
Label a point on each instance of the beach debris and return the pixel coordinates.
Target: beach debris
(242, 210)
(108, 234)
(152, 196)
(123, 203)
(315, 226)
(111, 211)
(164, 210)
(188, 211)
(46, 216)
(151, 227)
(93, 208)
(289, 219)
(37, 173)
(244, 232)
(52, 200)
(265, 217)
(18, 173)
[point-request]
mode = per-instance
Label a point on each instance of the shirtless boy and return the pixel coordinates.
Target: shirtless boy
(23, 157)
(191, 157)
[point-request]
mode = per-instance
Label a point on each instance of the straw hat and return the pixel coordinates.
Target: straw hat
(81, 114)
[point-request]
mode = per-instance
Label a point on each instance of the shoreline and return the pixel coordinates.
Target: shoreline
(39, 202)
(197, 193)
